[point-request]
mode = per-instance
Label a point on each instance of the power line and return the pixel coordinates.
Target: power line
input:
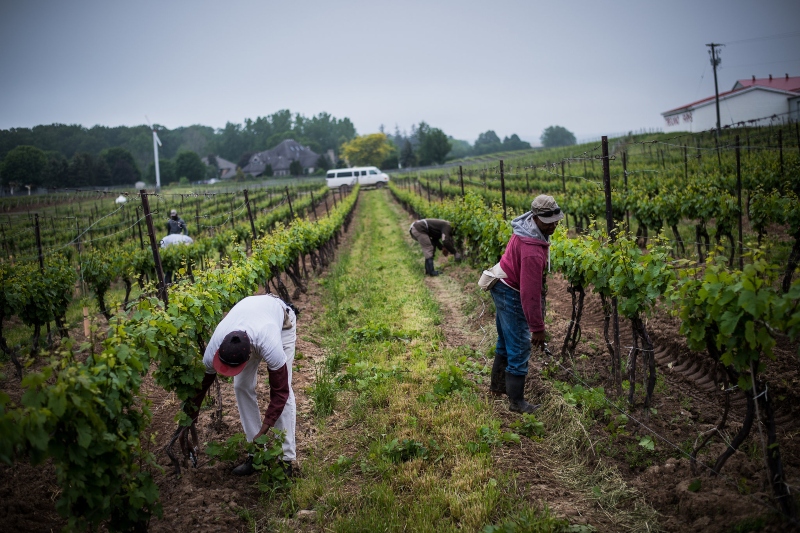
(765, 38)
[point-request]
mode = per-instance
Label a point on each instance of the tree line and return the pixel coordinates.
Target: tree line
(63, 156)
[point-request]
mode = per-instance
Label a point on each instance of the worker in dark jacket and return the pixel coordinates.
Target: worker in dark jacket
(176, 225)
(519, 299)
(432, 233)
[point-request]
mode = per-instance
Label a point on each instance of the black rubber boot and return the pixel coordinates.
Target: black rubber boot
(245, 469)
(429, 270)
(289, 469)
(515, 388)
(497, 386)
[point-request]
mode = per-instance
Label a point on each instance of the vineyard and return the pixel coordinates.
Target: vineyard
(668, 391)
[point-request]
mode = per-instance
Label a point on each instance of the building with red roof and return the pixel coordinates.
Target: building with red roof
(753, 102)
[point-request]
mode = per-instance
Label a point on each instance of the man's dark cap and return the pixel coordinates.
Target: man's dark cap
(233, 353)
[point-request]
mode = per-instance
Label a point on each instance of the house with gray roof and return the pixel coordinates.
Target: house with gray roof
(281, 157)
(227, 169)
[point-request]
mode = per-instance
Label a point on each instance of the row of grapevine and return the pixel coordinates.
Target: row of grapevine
(672, 193)
(204, 214)
(39, 296)
(88, 417)
(733, 315)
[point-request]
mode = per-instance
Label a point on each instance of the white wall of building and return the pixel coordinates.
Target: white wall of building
(749, 105)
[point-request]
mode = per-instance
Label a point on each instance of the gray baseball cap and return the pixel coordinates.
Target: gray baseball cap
(546, 208)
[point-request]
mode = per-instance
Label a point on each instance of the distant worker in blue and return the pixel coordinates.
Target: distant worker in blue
(176, 225)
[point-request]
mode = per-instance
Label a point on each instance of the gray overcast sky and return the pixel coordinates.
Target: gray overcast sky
(462, 66)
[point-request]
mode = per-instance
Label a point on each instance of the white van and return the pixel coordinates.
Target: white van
(347, 177)
(343, 179)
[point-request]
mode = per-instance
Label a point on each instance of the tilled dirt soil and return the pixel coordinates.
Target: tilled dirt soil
(204, 499)
(687, 400)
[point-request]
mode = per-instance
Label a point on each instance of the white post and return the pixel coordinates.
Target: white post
(156, 142)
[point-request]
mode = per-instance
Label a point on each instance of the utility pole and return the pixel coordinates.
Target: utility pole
(715, 60)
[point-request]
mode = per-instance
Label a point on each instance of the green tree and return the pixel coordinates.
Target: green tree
(515, 143)
(231, 141)
(367, 150)
(459, 149)
(121, 165)
(167, 170)
(557, 136)
(296, 168)
(24, 165)
(488, 143)
(188, 165)
(56, 172)
(434, 147)
(268, 172)
(323, 163)
(407, 156)
(327, 131)
(81, 170)
(102, 174)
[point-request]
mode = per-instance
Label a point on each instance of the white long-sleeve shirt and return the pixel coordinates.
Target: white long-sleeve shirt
(262, 318)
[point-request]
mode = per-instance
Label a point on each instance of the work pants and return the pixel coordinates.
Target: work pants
(244, 385)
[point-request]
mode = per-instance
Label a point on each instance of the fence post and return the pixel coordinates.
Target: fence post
(326, 206)
(461, 179)
(289, 199)
(133, 228)
(625, 175)
(78, 237)
(39, 243)
(138, 225)
(41, 256)
(797, 134)
(780, 148)
(250, 216)
(313, 211)
(503, 189)
(428, 189)
(197, 217)
(441, 194)
(739, 200)
(615, 360)
(151, 233)
(685, 163)
(563, 180)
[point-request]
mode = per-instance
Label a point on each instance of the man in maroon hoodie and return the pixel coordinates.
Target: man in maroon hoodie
(520, 299)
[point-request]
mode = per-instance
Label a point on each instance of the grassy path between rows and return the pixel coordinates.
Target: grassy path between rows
(404, 440)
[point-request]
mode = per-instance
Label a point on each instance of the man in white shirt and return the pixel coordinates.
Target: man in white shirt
(257, 328)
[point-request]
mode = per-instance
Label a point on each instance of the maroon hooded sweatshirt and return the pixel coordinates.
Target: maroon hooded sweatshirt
(524, 262)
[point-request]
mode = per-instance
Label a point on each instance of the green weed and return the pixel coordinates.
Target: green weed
(536, 521)
(529, 426)
(323, 392)
(267, 451)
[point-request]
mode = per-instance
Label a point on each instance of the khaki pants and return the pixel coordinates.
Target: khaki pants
(424, 241)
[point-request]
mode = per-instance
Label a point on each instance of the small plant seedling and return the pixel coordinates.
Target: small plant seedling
(529, 426)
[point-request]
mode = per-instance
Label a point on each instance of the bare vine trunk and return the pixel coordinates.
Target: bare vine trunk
(791, 265)
(678, 239)
(613, 349)
(574, 328)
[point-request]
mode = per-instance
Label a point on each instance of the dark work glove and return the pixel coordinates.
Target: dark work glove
(192, 407)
